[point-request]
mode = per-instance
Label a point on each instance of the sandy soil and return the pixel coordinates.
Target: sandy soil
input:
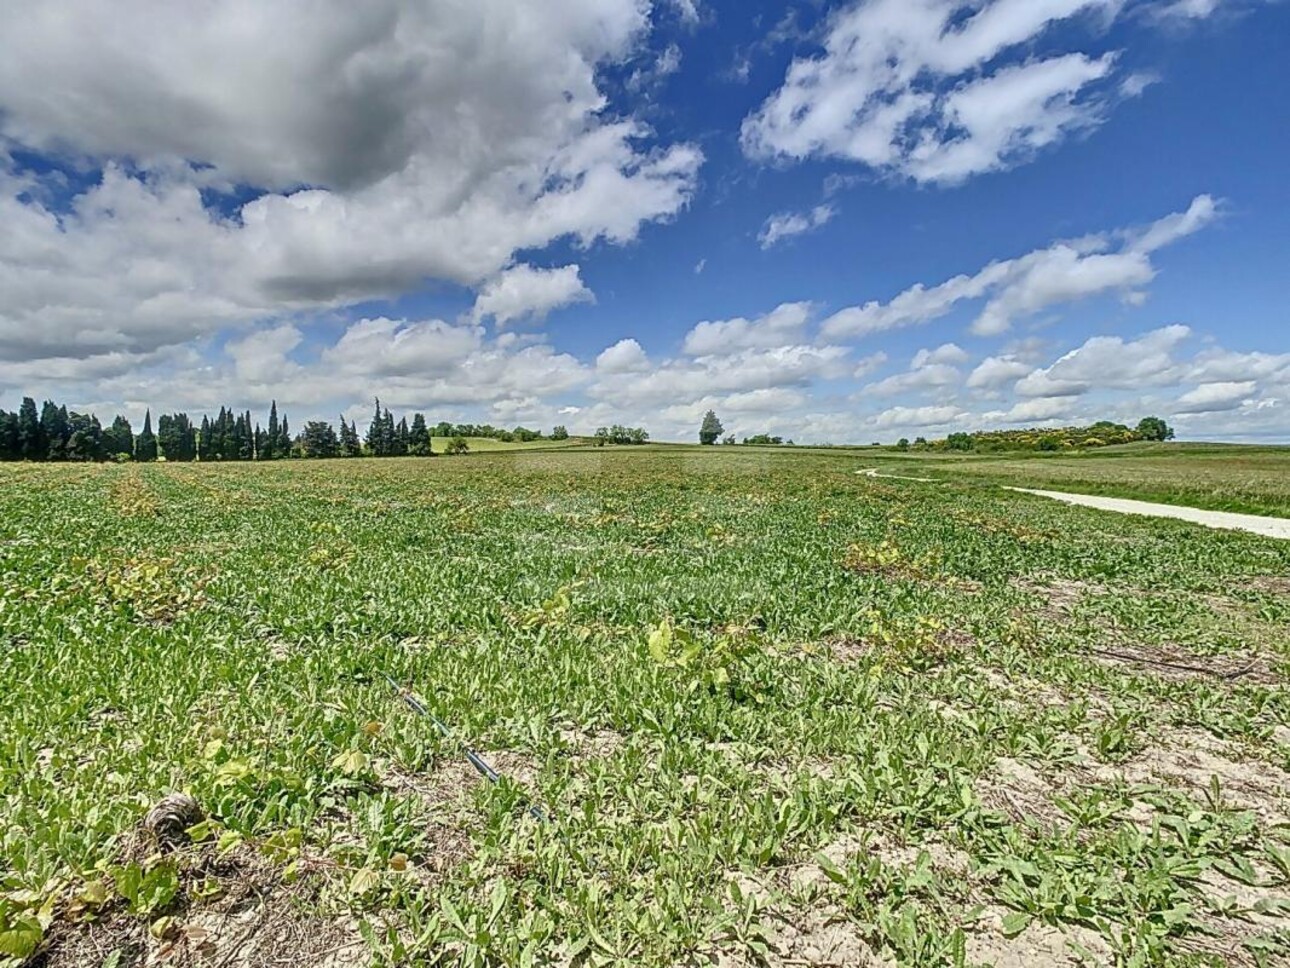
(1268, 527)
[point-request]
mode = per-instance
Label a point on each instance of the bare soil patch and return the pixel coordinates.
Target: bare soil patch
(1039, 944)
(254, 920)
(594, 744)
(1270, 584)
(1022, 792)
(1191, 759)
(1061, 596)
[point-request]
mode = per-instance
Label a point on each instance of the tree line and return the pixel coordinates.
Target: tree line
(618, 434)
(1101, 434)
(52, 432)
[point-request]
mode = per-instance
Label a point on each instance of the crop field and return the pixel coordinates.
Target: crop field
(476, 444)
(748, 708)
(1220, 477)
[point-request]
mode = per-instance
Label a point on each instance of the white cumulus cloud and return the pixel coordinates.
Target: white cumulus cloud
(936, 90)
(391, 143)
(1110, 262)
(786, 225)
(523, 291)
(1214, 397)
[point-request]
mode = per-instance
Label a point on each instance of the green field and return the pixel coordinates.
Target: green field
(772, 713)
(478, 444)
(1221, 477)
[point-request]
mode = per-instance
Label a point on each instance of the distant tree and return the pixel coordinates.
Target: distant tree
(274, 436)
(145, 445)
(319, 440)
(902, 444)
(204, 436)
(54, 430)
(457, 445)
(443, 429)
(283, 447)
(419, 443)
(560, 432)
(166, 445)
(176, 438)
(376, 433)
(710, 430)
(959, 441)
(85, 437)
(118, 439)
(920, 442)
(601, 436)
(350, 444)
(30, 444)
(729, 439)
(1153, 428)
(8, 436)
(402, 438)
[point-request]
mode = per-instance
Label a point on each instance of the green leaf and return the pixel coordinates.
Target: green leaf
(21, 938)
(1015, 922)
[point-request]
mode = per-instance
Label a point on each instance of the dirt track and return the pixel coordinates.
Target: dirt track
(1268, 527)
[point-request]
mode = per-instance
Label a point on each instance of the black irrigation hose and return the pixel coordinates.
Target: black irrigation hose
(477, 761)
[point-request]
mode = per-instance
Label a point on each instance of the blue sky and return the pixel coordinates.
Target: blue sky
(836, 222)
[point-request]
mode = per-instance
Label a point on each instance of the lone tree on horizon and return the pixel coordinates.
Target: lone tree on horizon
(711, 430)
(1153, 428)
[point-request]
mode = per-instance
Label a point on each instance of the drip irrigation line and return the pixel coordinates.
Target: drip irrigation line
(478, 762)
(1167, 664)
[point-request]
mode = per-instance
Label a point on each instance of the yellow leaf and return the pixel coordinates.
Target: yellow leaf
(363, 881)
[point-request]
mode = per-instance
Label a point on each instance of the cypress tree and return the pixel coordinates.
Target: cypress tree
(271, 441)
(8, 436)
(350, 446)
(374, 430)
(145, 446)
(190, 439)
(241, 438)
(175, 437)
(205, 440)
(167, 443)
(53, 431)
(283, 449)
(218, 433)
(401, 438)
(30, 444)
(388, 433)
(419, 443)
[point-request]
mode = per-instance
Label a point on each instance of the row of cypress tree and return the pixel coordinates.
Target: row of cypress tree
(54, 433)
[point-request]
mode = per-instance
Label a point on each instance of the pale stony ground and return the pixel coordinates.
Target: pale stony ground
(1223, 520)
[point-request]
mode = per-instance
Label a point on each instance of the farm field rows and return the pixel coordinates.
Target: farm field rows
(772, 711)
(1219, 477)
(440, 444)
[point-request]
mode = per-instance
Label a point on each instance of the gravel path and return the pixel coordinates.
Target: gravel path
(1268, 527)
(874, 472)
